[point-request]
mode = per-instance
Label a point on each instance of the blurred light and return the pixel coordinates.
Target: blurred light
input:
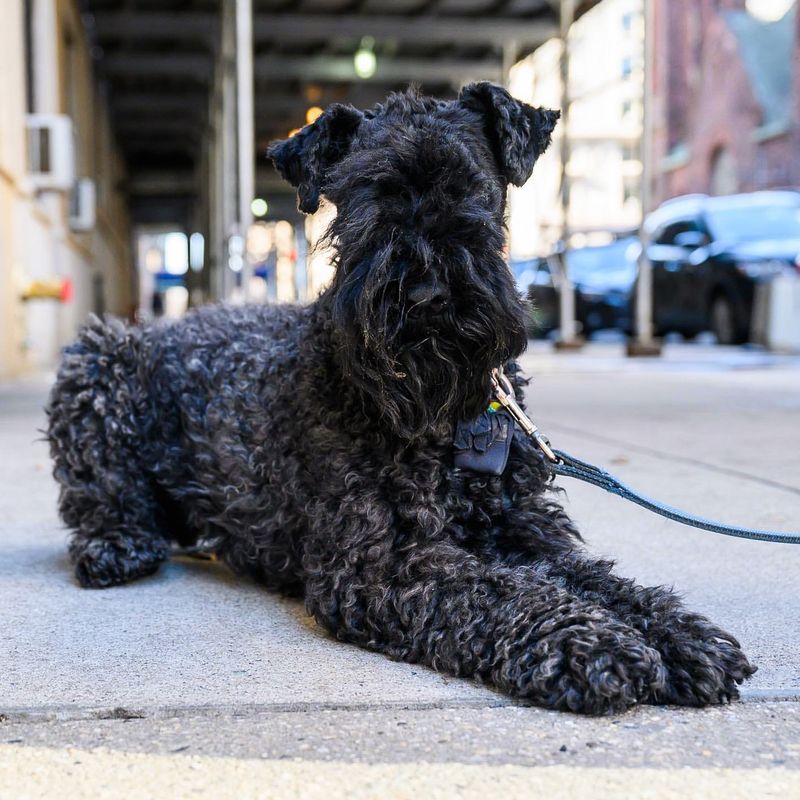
(236, 245)
(259, 207)
(176, 253)
(284, 236)
(364, 61)
(258, 290)
(769, 10)
(313, 93)
(153, 261)
(294, 132)
(259, 240)
(196, 251)
(284, 279)
(236, 253)
(176, 301)
(313, 114)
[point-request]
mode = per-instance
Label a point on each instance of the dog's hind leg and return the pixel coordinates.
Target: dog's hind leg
(703, 663)
(96, 413)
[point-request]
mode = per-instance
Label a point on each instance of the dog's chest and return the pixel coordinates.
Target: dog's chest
(475, 505)
(438, 498)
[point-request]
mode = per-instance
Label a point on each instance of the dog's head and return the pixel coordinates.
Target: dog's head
(423, 302)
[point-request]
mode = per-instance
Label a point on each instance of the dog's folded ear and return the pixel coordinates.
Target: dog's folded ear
(519, 133)
(304, 158)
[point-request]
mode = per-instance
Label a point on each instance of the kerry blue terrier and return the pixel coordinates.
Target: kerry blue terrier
(338, 450)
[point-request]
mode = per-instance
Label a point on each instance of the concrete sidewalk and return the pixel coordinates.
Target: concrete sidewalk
(196, 662)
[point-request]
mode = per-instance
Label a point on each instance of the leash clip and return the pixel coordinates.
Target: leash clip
(504, 393)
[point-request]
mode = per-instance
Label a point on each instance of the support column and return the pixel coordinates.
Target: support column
(644, 343)
(568, 338)
(510, 56)
(245, 131)
(226, 166)
(216, 237)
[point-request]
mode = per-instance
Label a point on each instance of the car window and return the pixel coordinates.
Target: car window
(610, 266)
(755, 221)
(534, 272)
(667, 236)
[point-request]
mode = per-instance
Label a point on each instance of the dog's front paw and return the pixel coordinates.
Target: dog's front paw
(703, 667)
(590, 669)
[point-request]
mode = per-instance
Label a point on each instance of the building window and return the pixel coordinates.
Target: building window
(630, 151)
(627, 22)
(627, 66)
(724, 179)
(630, 188)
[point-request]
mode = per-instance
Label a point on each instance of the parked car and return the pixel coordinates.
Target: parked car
(603, 277)
(708, 254)
(536, 281)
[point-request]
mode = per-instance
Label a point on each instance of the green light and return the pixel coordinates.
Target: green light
(364, 61)
(259, 207)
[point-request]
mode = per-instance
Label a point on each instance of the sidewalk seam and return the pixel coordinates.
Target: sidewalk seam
(674, 457)
(86, 713)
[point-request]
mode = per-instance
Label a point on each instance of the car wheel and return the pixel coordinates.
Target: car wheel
(723, 320)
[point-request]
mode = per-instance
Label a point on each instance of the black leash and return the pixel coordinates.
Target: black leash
(561, 463)
(575, 468)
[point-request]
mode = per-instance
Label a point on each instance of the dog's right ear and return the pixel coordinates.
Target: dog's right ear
(305, 158)
(519, 133)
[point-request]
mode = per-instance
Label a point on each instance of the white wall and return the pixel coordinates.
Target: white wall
(604, 138)
(35, 240)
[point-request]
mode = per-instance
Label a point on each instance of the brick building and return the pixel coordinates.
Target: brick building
(726, 108)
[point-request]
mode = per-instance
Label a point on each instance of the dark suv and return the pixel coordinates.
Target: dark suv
(602, 275)
(709, 253)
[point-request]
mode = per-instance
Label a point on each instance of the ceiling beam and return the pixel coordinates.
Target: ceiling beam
(157, 25)
(167, 182)
(269, 100)
(301, 28)
(177, 102)
(145, 122)
(146, 65)
(317, 68)
(389, 70)
(423, 29)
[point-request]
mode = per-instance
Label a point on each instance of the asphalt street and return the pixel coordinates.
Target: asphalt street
(195, 681)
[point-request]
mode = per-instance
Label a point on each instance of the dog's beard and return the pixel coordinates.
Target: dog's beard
(422, 373)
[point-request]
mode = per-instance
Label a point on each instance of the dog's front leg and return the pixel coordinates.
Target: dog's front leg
(437, 604)
(703, 663)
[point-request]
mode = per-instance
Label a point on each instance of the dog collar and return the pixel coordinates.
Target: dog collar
(483, 444)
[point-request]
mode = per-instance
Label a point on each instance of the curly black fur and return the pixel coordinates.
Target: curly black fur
(313, 446)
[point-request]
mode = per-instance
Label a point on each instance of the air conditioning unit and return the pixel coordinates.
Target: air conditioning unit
(82, 205)
(51, 151)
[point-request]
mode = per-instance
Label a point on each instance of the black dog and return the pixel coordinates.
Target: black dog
(314, 446)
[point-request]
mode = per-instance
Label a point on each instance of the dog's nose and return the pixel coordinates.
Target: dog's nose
(428, 295)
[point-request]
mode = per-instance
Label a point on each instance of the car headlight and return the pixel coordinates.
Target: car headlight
(763, 269)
